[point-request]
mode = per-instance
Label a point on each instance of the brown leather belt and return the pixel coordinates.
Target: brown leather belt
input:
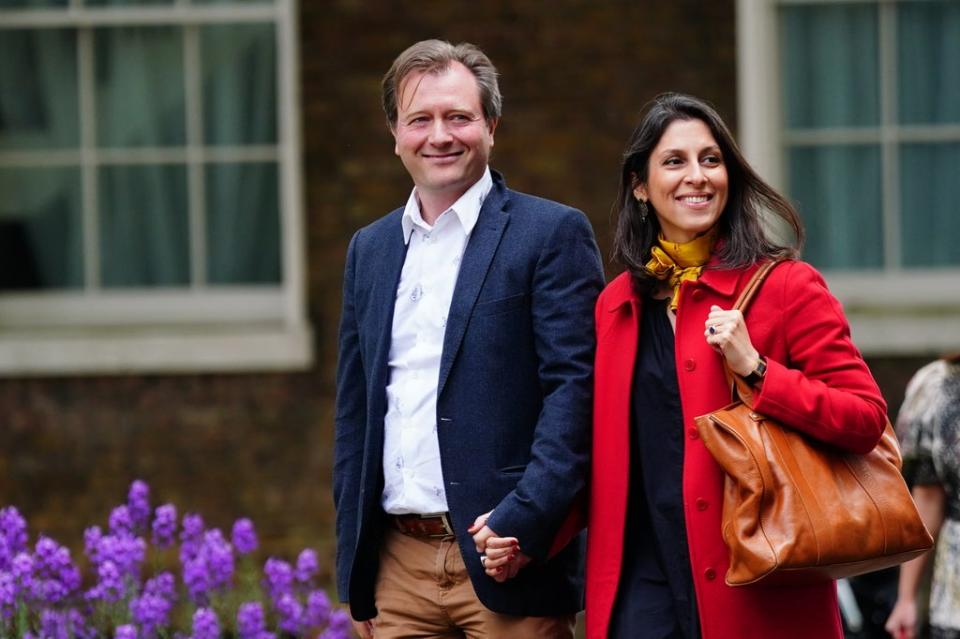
(434, 525)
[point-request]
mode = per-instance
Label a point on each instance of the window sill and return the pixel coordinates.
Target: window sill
(913, 312)
(208, 349)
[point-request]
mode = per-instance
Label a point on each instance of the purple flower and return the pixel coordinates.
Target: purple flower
(22, 569)
(56, 576)
(250, 620)
(191, 536)
(307, 565)
(121, 522)
(340, 626)
(151, 612)
(162, 585)
(279, 577)
(13, 535)
(205, 624)
(125, 632)
(91, 542)
(165, 525)
(244, 536)
(318, 609)
(138, 504)
(110, 586)
(54, 625)
(290, 613)
(79, 625)
(210, 567)
(8, 594)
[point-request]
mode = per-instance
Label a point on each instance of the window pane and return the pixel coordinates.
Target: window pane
(929, 62)
(140, 87)
(243, 224)
(930, 223)
(239, 84)
(41, 229)
(830, 65)
(38, 89)
(144, 226)
(837, 190)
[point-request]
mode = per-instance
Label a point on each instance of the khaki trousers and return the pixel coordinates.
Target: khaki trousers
(423, 590)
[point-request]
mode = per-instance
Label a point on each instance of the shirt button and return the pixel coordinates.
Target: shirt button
(710, 574)
(701, 503)
(697, 295)
(694, 433)
(690, 364)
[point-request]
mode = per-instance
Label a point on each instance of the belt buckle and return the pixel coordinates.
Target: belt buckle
(446, 525)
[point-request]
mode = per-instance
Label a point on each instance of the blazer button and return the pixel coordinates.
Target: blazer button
(690, 364)
(701, 503)
(693, 433)
(710, 574)
(697, 295)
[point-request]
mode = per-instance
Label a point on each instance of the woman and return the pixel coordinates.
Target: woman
(690, 235)
(929, 428)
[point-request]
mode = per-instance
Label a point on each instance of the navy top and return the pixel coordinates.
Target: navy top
(655, 597)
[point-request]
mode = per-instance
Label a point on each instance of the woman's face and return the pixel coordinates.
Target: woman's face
(686, 181)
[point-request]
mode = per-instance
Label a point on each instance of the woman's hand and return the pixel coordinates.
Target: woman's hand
(503, 559)
(902, 622)
(727, 333)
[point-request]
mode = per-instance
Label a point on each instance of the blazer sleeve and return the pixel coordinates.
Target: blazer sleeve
(566, 281)
(349, 426)
(824, 389)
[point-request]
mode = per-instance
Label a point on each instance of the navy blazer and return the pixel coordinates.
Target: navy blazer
(513, 397)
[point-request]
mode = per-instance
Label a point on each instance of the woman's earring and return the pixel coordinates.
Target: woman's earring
(642, 205)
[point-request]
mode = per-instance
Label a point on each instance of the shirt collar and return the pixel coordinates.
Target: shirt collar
(466, 209)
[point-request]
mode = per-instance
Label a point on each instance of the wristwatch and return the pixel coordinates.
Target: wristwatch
(756, 376)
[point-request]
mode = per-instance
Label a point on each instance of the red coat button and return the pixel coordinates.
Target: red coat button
(690, 364)
(694, 433)
(697, 295)
(710, 574)
(701, 503)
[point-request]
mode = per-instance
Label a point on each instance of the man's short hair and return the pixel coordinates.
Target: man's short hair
(435, 56)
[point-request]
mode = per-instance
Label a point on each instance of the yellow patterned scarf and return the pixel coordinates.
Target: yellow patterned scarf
(677, 263)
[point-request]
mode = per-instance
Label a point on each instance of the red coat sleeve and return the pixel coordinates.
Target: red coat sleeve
(822, 387)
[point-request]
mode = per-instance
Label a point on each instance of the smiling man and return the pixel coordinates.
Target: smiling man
(464, 379)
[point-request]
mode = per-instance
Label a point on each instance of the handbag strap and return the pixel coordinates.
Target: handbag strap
(735, 382)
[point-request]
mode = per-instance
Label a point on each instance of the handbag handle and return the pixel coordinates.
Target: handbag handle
(736, 382)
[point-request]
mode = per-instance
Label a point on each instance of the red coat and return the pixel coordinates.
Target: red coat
(816, 381)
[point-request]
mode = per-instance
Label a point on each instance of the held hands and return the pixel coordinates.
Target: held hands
(500, 556)
(727, 333)
(364, 629)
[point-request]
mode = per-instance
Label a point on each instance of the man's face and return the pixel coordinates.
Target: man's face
(441, 135)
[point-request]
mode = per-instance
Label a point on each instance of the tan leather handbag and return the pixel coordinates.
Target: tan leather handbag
(797, 510)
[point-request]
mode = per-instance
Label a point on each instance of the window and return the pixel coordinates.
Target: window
(853, 108)
(150, 216)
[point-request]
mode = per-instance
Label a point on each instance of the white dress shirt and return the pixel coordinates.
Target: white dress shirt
(413, 478)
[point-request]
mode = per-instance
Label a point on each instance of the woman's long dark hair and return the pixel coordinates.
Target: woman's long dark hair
(744, 241)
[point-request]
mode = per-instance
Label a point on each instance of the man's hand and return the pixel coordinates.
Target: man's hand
(500, 556)
(364, 629)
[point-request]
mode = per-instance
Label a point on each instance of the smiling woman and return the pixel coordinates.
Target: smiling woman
(690, 237)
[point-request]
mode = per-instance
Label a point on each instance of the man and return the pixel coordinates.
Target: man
(463, 383)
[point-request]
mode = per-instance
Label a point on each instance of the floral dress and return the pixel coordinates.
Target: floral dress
(929, 430)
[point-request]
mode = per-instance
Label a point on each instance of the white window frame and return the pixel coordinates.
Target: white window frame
(893, 311)
(202, 328)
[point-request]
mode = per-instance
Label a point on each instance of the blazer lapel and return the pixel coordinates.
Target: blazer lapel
(473, 270)
(383, 300)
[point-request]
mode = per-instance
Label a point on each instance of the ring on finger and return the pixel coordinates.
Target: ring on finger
(712, 330)
(483, 560)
